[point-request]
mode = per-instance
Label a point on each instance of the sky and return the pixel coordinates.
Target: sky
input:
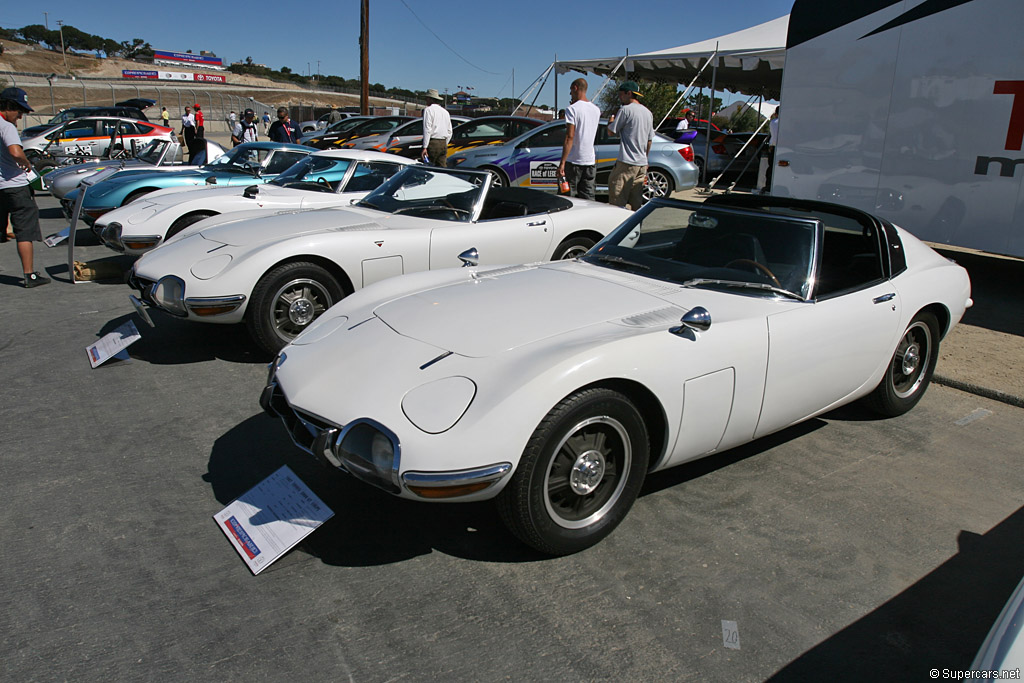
(482, 46)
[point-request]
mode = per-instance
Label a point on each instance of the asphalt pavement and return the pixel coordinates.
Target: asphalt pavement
(845, 548)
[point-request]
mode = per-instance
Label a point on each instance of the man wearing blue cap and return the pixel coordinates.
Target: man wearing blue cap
(634, 124)
(16, 202)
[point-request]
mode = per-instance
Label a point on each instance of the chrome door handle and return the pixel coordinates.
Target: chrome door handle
(536, 223)
(885, 297)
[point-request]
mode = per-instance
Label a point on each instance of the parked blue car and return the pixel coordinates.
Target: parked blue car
(531, 160)
(253, 163)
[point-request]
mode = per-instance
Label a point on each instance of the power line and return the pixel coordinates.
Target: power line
(446, 44)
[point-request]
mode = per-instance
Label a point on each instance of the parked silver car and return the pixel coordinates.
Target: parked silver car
(531, 160)
(410, 131)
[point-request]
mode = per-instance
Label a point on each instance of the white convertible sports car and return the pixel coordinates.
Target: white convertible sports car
(279, 272)
(556, 388)
(323, 179)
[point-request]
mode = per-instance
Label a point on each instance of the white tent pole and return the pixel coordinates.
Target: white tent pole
(527, 92)
(685, 92)
(610, 74)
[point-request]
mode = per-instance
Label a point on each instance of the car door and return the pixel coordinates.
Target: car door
(823, 351)
(77, 138)
(536, 159)
(606, 153)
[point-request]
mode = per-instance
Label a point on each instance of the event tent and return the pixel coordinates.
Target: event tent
(748, 61)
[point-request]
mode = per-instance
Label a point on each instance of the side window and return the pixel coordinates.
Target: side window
(128, 128)
(484, 129)
(80, 129)
(850, 256)
(549, 137)
(370, 174)
(603, 137)
(280, 161)
(519, 127)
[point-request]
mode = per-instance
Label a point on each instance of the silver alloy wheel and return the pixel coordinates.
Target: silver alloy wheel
(910, 363)
(658, 185)
(587, 472)
(574, 251)
(498, 178)
(296, 304)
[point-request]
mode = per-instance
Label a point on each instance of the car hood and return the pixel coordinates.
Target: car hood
(248, 231)
(510, 307)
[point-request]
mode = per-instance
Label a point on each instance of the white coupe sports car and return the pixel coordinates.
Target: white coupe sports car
(323, 179)
(556, 388)
(279, 272)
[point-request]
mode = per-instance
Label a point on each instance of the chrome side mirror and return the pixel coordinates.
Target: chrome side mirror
(697, 319)
(470, 257)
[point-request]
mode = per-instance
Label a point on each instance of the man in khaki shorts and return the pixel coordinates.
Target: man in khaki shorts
(634, 124)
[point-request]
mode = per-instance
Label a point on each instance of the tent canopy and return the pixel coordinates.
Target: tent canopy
(748, 61)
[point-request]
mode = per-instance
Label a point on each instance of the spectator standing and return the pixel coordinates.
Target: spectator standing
(232, 120)
(165, 117)
(188, 131)
(335, 115)
(773, 138)
(245, 130)
(16, 202)
(284, 129)
(579, 161)
(266, 123)
(437, 130)
(634, 124)
(684, 122)
(200, 122)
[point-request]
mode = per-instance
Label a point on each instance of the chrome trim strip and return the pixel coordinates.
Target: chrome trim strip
(479, 475)
(214, 300)
(434, 360)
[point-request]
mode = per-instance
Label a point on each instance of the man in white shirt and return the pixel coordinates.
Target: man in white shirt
(684, 122)
(437, 131)
(245, 130)
(16, 202)
(579, 163)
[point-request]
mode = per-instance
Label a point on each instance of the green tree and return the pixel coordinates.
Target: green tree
(136, 48)
(657, 96)
(37, 33)
(745, 119)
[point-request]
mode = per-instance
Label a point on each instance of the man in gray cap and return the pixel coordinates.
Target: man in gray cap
(634, 124)
(437, 131)
(16, 203)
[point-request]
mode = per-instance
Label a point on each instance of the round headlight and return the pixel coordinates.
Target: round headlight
(111, 234)
(169, 294)
(369, 453)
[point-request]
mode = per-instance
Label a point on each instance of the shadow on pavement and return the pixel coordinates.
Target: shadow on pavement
(937, 623)
(995, 288)
(369, 527)
(174, 342)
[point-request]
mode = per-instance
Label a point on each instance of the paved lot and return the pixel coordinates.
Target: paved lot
(845, 548)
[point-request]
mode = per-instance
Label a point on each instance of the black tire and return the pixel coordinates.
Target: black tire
(138, 193)
(910, 370)
(287, 299)
(185, 221)
(659, 184)
(500, 180)
(579, 474)
(572, 247)
(699, 163)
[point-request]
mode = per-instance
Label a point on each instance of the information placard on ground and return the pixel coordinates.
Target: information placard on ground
(271, 518)
(113, 344)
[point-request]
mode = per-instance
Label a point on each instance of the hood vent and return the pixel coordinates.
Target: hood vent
(659, 317)
(359, 227)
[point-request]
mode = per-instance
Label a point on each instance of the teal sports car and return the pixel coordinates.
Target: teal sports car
(252, 163)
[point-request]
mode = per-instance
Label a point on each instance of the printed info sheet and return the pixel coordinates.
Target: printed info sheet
(271, 518)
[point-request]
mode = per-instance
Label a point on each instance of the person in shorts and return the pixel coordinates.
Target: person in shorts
(17, 205)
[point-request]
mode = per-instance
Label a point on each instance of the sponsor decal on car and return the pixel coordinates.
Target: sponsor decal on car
(543, 173)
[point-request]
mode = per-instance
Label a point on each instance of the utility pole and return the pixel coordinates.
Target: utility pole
(318, 70)
(46, 20)
(65, 54)
(364, 57)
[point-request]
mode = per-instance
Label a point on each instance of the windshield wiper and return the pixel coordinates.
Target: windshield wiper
(611, 258)
(368, 205)
(697, 281)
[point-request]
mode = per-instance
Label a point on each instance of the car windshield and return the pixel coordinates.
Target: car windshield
(700, 246)
(253, 160)
(314, 173)
(430, 193)
(345, 125)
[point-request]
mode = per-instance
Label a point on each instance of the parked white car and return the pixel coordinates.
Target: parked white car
(556, 388)
(323, 179)
(278, 273)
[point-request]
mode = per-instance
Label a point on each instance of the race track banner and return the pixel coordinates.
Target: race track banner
(174, 76)
(136, 73)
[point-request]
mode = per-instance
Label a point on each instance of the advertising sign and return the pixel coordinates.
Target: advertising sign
(136, 73)
(211, 78)
(544, 173)
(188, 58)
(176, 76)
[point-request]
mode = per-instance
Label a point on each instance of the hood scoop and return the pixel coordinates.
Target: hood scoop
(659, 317)
(358, 227)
